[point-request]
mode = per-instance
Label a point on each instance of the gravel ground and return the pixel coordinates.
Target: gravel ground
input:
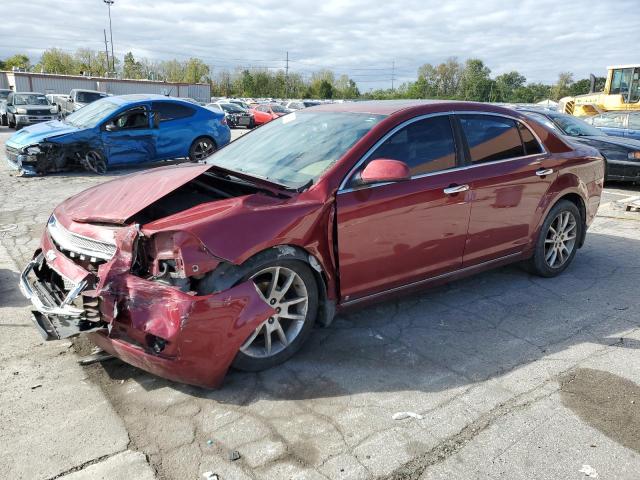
(511, 376)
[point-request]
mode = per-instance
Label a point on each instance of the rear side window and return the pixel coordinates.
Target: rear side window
(171, 111)
(425, 146)
(491, 138)
(531, 144)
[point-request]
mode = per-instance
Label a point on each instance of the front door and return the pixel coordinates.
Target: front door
(510, 176)
(390, 235)
(130, 137)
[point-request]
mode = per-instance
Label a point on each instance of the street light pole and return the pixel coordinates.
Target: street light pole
(113, 58)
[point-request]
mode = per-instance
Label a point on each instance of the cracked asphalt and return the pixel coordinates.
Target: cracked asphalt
(510, 376)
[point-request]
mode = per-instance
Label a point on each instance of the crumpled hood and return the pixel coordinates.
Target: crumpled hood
(119, 199)
(39, 132)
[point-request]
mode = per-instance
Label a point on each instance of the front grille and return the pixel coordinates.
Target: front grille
(79, 245)
(38, 112)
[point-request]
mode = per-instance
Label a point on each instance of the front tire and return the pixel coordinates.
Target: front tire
(558, 240)
(201, 148)
(3, 121)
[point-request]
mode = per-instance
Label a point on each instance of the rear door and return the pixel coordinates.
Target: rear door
(393, 234)
(510, 175)
(174, 129)
(132, 138)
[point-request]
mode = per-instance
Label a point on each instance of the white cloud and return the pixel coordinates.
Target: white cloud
(538, 38)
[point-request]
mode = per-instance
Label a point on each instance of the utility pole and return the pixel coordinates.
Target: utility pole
(286, 78)
(113, 58)
(393, 73)
(106, 49)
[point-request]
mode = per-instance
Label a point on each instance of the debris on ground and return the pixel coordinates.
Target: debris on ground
(209, 442)
(95, 357)
(589, 471)
(36, 386)
(234, 455)
(210, 476)
(403, 415)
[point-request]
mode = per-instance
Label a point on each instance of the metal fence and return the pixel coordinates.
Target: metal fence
(63, 84)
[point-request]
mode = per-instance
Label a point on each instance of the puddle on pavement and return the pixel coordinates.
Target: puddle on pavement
(606, 402)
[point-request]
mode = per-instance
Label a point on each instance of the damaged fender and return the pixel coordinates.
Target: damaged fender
(201, 334)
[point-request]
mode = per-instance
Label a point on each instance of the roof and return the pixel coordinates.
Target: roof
(389, 107)
(143, 97)
(632, 65)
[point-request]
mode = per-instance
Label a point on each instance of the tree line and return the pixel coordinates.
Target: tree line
(451, 79)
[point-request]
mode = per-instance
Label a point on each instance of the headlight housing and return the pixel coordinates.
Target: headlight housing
(33, 150)
(53, 109)
(634, 156)
(21, 111)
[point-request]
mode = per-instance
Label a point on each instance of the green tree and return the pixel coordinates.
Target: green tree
(195, 71)
(561, 88)
(580, 87)
(131, 68)
(506, 86)
(90, 62)
(55, 60)
(18, 60)
(475, 83)
(325, 89)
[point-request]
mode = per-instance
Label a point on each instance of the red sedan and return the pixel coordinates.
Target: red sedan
(186, 270)
(267, 112)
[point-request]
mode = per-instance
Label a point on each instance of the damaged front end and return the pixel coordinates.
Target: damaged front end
(52, 157)
(132, 294)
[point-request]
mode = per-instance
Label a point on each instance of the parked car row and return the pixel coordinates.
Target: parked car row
(622, 155)
(186, 270)
(618, 124)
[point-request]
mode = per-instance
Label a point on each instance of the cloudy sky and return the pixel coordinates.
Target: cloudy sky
(361, 38)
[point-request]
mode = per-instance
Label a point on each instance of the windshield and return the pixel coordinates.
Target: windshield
(278, 109)
(575, 127)
(92, 114)
(230, 107)
(30, 99)
(88, 97)
(295, 148)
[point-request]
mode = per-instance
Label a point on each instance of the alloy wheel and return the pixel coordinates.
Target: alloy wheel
(560, 239)
(203, 149)
(284, 290)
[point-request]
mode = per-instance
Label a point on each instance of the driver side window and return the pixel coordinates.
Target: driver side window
(135, 118)
(425, 146)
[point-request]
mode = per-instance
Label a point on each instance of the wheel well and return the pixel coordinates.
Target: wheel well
(228, 274)
(578, 202)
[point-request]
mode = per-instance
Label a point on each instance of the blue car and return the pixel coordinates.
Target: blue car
(122, 130)
(618, 124)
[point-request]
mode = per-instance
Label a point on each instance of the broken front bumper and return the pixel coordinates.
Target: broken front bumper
(156, 327)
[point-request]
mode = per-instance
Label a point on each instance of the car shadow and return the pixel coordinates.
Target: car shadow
(459, 334)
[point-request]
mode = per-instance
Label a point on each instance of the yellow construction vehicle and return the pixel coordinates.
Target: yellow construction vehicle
(621, 92)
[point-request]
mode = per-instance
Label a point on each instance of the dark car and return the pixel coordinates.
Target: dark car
(237, 116)
(622, 155)
(28, 108)
(618, 124)
(185, 270)
(121, 130)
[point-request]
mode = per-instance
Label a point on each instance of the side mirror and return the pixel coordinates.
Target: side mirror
(71, 99)
(385, 170)
(110, 127)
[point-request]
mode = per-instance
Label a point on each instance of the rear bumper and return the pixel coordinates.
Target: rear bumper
(158, 328)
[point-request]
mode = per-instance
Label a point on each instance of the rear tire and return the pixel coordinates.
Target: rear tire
(3, 121)
(557, 241)
(201, 148)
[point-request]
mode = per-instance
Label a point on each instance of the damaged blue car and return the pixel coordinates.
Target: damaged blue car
(119, 131)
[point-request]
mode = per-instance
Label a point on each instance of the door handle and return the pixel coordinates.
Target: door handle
(543, 172)
(456, 189)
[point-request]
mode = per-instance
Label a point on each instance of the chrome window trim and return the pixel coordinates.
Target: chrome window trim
(365, 157)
